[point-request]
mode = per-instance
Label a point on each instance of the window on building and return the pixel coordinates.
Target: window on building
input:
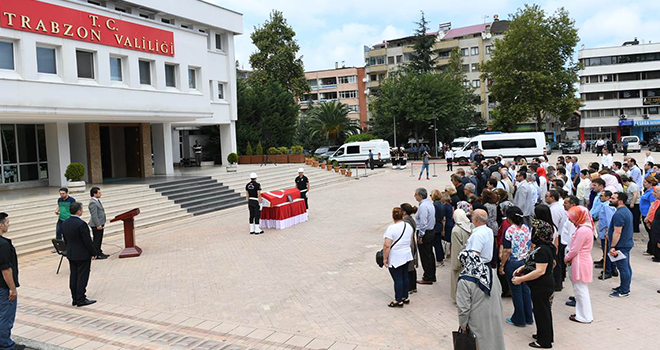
(399, 58)
(632, 111)
(608, 78)
(628, 76)
(349, 79)
(97, 3)
(192, 78)
(145, 72)
(122, 9)
(221, 91)
(170, 75)
(390, 60)
(466, 68)
(376, 60)
(444, 54)
(489, 49)
(348, 94)
(651, 93)
(144, 15)
(466, 84)
(652, 110)
(46, 61)
(373, 77)
(652, 75)
(6, 55)
(167, 20)
(464, 51)
(218, 41)
(23, 151)
(474, 51)
(353, 109)
(85, 62)
(629, 94)
(475, 67)
(187, 26)
(476, 83)
(116, 69)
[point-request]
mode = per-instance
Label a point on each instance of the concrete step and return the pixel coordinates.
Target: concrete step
(199, 196)
(213, 196)
(168, 186)
(50, 201)
(211, 206)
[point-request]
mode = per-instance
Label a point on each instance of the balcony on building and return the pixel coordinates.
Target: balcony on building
(328, 97)
(313, 84)
(329, 83)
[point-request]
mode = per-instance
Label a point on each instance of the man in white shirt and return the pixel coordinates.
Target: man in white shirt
(481, 240)
(649, 158)
(449, 158)
(559, 218)
(599, 146)
(606, 160)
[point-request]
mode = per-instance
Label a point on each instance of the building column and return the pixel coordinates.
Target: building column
(227, 140)
(145, 140)
(94, 164)
(58, 152)
(78, 147)
(163, 154)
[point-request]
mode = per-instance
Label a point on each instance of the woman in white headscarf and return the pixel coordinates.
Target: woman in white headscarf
(459, 237)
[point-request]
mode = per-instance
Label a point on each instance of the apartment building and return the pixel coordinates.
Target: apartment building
(342, 84)
(475, 43)
(110, 84)
(620, 91)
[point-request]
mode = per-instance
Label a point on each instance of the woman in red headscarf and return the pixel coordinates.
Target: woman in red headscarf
(543, 181)
(582, 265)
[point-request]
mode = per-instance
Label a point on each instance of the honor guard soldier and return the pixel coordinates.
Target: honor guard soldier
(302, 183)
(253, 189)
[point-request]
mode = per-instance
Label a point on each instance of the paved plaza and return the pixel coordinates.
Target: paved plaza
(205, 283)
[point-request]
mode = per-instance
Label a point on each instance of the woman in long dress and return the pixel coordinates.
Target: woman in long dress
(479, 301)
(581, 263)
(459, 237)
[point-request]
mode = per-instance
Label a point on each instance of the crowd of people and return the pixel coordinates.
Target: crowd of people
(520, 230)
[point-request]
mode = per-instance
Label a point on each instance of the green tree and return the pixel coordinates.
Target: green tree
(275, 59)
(266, 112)
(422, 59)
(304, 133)
(532, 69)
(330, 121)
(360, 137)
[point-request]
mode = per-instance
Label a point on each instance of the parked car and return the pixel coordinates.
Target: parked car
(654, 144)
(326, 151)
(633, 143)
(571, 147)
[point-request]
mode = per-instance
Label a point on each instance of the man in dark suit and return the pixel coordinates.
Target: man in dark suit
(80, 252)
(97, 221)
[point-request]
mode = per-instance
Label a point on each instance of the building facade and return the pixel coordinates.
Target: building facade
(474, 42)
(342, 84)
(110, 84)
(620, 91)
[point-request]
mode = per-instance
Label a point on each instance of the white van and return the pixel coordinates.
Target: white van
(459, 143)
(518, 146)
(633, 143)
(358, 152)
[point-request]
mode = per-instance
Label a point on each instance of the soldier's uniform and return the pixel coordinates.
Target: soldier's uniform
(253, 188)
(301, 185)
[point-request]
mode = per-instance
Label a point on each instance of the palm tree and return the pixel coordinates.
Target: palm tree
(331, 121)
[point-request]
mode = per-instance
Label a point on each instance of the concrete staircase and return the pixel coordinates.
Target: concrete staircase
(199, 195)
(33, 220)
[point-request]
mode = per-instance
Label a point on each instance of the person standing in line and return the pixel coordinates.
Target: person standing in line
(633, 200)
(649, 158)
(408, 212)
(97, 221)
(610, 146)
(584, 188)
(8, 285)
(604, 221)
(425, 165)
(479, 302)
(482, 239)
(540, 282)
(559, 218)
(197, 148)
(599, 147)
(63, 211)
(449, 222)
(654, 233)
(635, 172)
(621, 237)
(438, 228)
(253, 192)
(581, 264)
(459, 237)
(459, 187)
(425, 220)
(524, 197)
(645, 204)
(80, 252)
(397, 255)
(517, 243)
(302, 184)
(606, 161)
(449, 158)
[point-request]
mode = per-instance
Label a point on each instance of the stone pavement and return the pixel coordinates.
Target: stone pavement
(205, 283)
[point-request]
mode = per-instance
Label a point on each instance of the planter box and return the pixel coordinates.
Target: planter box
(329, 167)
(278, 158)
(256, 159)
(336, 169)
(348, 174)
(343, 171)
(231, 168)
(315, 164)
(76, 186)
(296, 158)
(244, 159)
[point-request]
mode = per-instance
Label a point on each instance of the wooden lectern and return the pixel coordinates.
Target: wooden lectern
(131, 249)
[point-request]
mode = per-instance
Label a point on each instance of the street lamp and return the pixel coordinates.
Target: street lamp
(395, 144)
(435, 129)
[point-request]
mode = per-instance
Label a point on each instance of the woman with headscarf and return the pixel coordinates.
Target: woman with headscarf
(611, 182)
(459, 237)
(543, 181)
(581, 263)
(466, 207)
(479, 302)
(540, 280)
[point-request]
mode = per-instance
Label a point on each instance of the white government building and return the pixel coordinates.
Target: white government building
(109, 83)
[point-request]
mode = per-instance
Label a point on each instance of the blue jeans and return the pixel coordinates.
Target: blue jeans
(610, 265)
(625, 271)
(58, 229)
(7, 316)
(521, 295)
(401, 281)
(437, 244)
(425, 166)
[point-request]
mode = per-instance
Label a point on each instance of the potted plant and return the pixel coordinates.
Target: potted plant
(315, 161)
(247, 158)
(232, 159)
(335, 166)
(272, 154)
(348, 171)
(328, 165)
(296, 155)
(322, 163)
(75, 173)
(258, 156)
(343, 168)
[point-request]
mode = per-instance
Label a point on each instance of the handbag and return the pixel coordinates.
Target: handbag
(464, 340)
(530, 264)
(379, 254)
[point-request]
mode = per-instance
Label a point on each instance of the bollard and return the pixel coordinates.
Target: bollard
(365, 172)
(434, 175)
(412, 173)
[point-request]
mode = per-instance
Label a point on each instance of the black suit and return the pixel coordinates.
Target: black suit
(79, 251)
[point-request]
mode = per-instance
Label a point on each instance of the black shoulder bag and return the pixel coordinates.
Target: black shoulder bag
(379, 254)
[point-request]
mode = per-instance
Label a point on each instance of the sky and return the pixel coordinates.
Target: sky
(335, 31)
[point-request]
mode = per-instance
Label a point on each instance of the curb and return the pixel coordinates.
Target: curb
(36, 345)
